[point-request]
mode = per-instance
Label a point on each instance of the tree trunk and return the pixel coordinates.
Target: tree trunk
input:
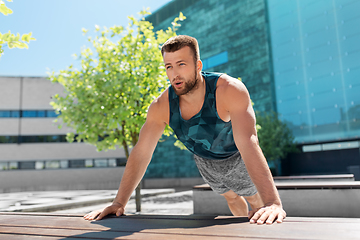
(138, 198)
(138, 188)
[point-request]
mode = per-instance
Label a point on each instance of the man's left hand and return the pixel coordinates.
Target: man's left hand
(267, 214)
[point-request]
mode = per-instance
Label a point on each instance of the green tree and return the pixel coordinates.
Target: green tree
(276, 139)
(106, 101)
(9, 39)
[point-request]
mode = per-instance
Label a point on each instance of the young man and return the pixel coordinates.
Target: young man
(212, 115)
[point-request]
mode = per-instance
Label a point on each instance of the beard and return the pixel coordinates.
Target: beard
(188, 85)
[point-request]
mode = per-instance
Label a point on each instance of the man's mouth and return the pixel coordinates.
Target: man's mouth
(178, 84)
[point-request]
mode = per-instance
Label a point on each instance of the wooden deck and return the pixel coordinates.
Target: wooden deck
(51, 226)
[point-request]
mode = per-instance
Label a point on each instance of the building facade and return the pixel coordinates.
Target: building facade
(316, 59)
(34, 151)
(299, 58)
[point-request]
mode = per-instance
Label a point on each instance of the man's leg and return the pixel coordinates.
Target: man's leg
(236, 203)
(255, 201)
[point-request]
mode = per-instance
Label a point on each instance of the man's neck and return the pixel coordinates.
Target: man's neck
(196, 94)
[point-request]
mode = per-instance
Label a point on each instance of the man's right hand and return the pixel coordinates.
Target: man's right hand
(115, 208)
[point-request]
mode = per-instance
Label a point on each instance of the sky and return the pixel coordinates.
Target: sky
(56, 25)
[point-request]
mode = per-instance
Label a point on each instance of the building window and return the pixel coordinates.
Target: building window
(27, 165)
(29, 139)
(64, 164)
(33, 139)
(76, 163)
(215, 60)
(53, 138)
(15, 114)
(52, 164)
(51, 114)
(5, 114)
(100, 163)
(89, 163)
(112, 162)
(121, 162)
(41, 113)
(13, 165)
(4, 166)
(8, 139)
(39, 165)
(9, 114)
(28, 114)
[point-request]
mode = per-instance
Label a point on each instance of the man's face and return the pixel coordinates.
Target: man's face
(181, 70)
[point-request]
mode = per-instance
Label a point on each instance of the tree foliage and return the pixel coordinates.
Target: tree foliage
(275, 137)
(106, 101)
(9, 39)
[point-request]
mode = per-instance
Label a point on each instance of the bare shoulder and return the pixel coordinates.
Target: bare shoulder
(231, 91)
(159, 108)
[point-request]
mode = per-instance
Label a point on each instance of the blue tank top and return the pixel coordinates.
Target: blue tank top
(205, 134)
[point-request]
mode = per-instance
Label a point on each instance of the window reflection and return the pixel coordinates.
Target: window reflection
(100, 163)
(62, 164)
(4, 166)
(27, 165)
(112, 162)
(76, 163)
(215, 60)
(28, 113)
(89, 163)
(13, 165)
(315, 59)
(52, 164)
(39, 165)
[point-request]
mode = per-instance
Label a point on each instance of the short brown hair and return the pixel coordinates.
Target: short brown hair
(176, 43)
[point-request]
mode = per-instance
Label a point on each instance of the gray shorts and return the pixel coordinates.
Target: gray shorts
(227, 174)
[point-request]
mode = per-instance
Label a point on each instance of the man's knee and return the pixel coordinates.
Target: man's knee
(231, 196)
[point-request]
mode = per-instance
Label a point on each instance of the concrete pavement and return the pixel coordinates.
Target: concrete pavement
(154, 201)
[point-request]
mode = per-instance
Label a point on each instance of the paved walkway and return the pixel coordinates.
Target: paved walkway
(154, 201)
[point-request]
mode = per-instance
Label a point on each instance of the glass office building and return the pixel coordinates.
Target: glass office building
(299, 58)
(316, 60)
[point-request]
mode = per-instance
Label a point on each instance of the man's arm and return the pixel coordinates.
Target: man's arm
(237, 101)
(138, 161)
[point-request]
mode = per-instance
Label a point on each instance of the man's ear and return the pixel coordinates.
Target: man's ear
(199, 65)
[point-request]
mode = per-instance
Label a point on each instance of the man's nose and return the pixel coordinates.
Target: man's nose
(176, 77)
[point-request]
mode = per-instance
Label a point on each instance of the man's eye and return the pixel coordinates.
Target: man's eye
(168, 67)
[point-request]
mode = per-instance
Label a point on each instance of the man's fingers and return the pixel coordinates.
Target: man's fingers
(101, 215)
(268, 215)
(256, 215)
(119, 212)
(252, 212)
(117, 209)
(271, 218)
(92, 215)
(265, 213)
(281, 217)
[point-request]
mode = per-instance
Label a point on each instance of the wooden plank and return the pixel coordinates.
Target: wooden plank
(176, 227)
(11, 236)
(30, 233)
